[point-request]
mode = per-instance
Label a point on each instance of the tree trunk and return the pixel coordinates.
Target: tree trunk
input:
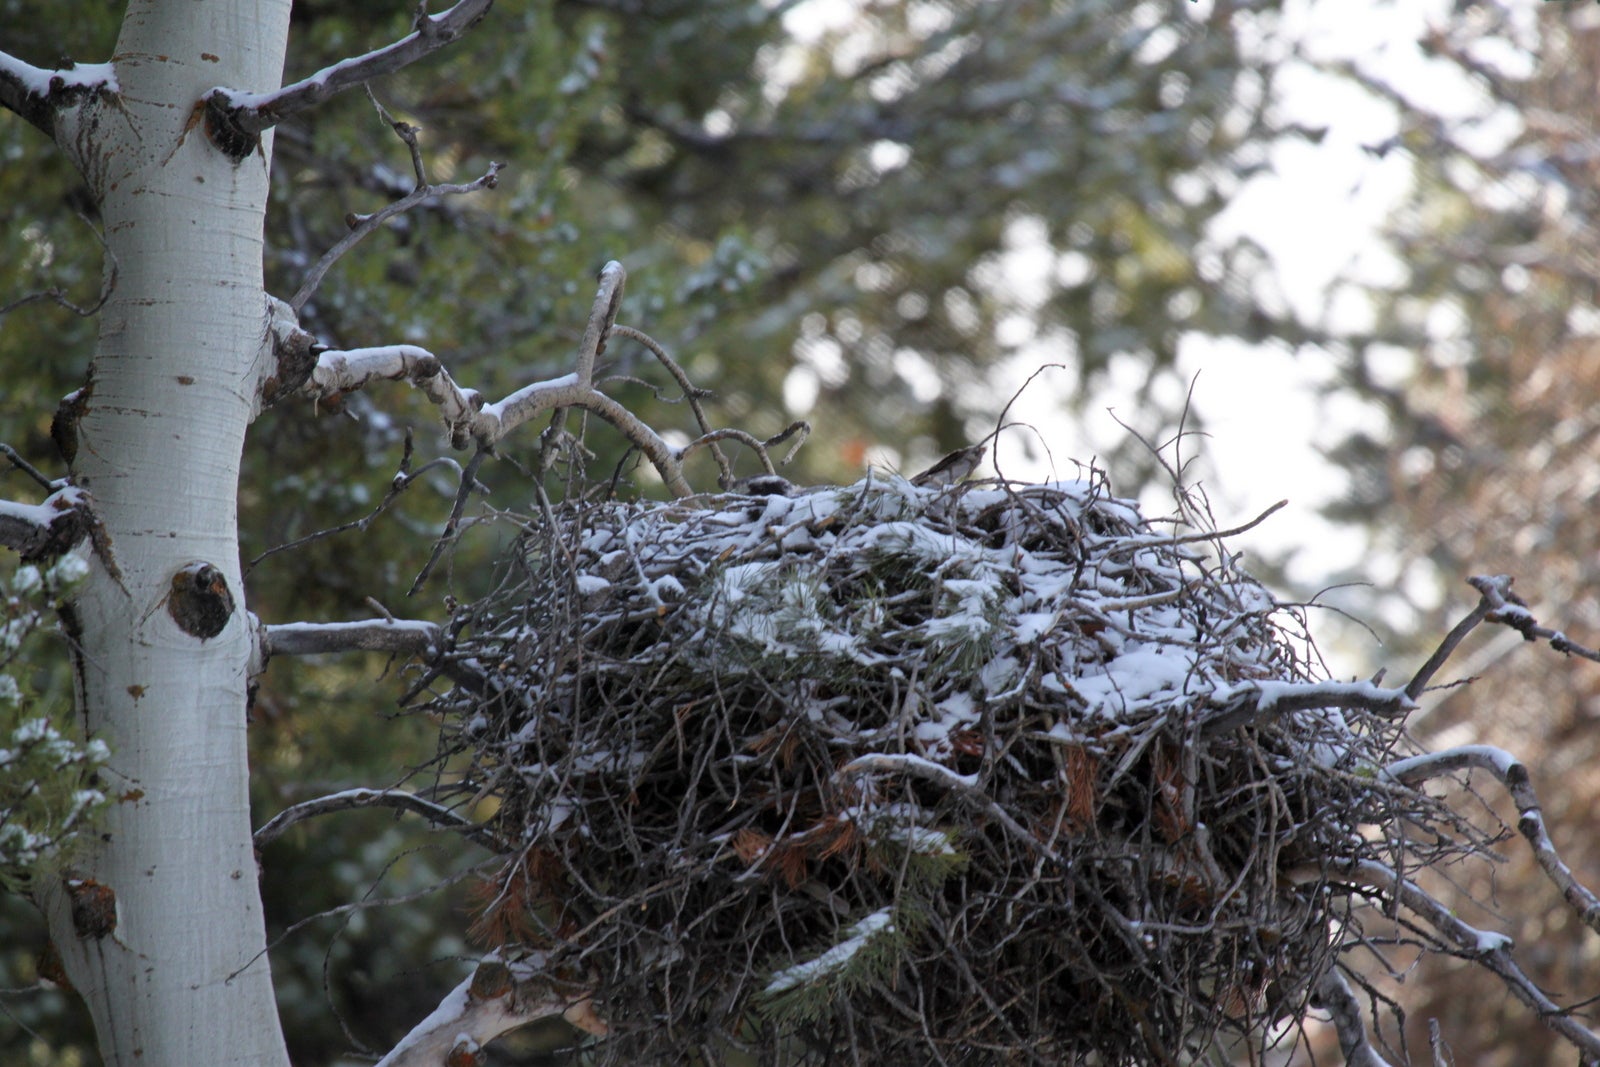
(183, 977)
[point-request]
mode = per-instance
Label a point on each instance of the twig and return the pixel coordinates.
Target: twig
(362, 225)
(1135, 544)
(469, 481)
(1512, 610)
(407, 134)
(56, 296)
(404, 478)
(355, 799)
(49, 485)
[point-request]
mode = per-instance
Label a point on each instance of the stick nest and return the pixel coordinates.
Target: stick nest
(893, 773)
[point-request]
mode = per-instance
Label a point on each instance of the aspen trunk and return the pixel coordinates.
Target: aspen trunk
(183, 978)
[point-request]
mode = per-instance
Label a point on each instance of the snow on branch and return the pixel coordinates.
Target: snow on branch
(470, 419)
(402, 636)
(49, 528)
(353, 799)
(1508, 608)
(234, 116)
(1513, 774)
(1489, 949)
(1254, 702)
(38, 94)
(499, 997)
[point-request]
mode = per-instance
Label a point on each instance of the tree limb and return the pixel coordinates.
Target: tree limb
(1348, 1022)
(401, 636)
(1490, 950)
(37, 94)
(49, 528)
(1457, 634)
(469, 419)
(1255, 702)
(1513, 774)
(498, 998)
(246, 115)
(354, 799)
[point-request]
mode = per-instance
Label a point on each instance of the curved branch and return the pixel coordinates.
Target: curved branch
(354, 799)
(400, 636)
(1513, 774)
(248, 114)
(1490, 950)
(470, 419)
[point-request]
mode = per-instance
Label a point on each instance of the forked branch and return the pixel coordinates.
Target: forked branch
(1513, 774)
(472, 421)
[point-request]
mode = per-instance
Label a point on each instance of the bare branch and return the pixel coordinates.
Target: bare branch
(49, 528)
(354, 799)
(498, 998)
(403, 479)
(1136, 544)
(469, 482)
(470, 419)
(49, 485)
(362, 225)
(1254, 702)
(1425, 673)
(248, 114)
(56, 296)
(407, 134)
(1490, 950)
(399, 636)
(1513, 774)
(38, 94)
(1512, 610)
(1345, 1010)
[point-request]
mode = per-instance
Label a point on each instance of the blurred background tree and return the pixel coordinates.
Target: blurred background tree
(1484, 358)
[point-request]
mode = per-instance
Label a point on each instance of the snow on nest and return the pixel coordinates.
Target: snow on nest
(762, 722)
(1055, 584)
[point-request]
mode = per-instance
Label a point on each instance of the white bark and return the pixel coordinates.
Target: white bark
(183, 979)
